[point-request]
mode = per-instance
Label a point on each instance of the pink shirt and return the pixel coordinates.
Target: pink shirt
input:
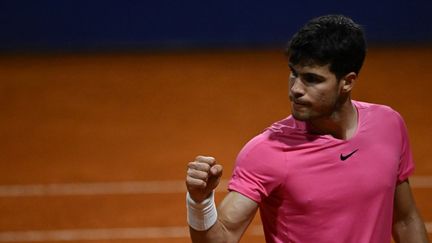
(316, 188)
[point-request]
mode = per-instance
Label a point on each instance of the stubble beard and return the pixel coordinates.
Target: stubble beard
(311, 115)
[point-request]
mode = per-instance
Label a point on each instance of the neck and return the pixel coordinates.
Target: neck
(341, 124)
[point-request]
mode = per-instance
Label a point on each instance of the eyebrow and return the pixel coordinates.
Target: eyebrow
(313, 75)
(291, 66)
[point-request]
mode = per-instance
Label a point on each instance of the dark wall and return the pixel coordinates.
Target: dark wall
(110, 24)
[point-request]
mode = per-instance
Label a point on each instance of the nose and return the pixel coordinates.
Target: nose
(296, 87)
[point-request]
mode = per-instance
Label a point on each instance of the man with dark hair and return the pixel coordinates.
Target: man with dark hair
(334, 40)
(336, 170)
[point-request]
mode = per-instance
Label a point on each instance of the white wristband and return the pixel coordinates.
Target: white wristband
(201, 216)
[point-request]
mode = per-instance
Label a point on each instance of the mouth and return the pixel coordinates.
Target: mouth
(299, 104)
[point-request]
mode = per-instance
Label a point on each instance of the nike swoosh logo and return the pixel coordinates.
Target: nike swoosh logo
(345, 157)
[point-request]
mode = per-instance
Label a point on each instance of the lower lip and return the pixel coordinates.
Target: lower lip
(297, 106)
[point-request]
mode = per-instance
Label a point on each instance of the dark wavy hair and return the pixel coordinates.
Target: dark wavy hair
(332, 39)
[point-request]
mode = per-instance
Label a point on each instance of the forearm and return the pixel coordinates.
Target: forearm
(204, 223)
(234, 215)
(410, 230)
(216, 234)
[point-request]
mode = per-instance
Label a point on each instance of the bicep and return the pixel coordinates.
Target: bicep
(404, 204)
(407, 223)
(236, 212)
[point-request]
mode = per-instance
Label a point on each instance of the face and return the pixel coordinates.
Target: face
(314, 92)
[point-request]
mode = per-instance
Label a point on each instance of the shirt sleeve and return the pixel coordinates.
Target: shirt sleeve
(406, 162)
(257, 170)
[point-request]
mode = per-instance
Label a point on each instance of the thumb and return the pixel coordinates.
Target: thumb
(216, 171)
(215, 175)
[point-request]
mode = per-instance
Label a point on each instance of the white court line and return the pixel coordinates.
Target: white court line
(113, 234)
(134, 187)
(95, 234)
(130, 187)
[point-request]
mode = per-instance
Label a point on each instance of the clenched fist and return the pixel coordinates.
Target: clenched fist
(203, 176)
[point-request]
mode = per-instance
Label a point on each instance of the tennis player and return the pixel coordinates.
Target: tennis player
(335, 170)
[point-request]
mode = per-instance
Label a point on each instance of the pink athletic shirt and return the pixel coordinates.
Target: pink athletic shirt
(316, 188)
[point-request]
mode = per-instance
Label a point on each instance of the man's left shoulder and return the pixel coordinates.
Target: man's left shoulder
(377, 110)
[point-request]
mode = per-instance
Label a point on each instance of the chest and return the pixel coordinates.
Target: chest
(331, 174)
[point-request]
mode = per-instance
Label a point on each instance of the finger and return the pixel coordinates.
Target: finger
(206, 159)
(197, 174)
(193, 183)
(216, 170)
(213, 180)
(199, 166)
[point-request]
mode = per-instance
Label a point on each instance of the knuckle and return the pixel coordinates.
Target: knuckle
(199, 166)
(196, 174)
(205, 167)
(192, 164)
(205, 159)
(201, 175)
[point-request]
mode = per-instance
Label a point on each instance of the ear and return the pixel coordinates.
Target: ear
(347, 82)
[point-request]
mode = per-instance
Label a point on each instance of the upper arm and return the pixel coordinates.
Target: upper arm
(407, 223)
(235, 214)
(404, 205)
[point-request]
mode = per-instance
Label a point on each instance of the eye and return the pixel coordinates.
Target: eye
(312, 79)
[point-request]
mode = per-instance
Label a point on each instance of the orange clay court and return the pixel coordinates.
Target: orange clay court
(93, 148)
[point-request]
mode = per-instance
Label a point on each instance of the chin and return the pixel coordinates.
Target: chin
(300, 117)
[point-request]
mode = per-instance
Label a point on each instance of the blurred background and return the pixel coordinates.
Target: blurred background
(103, 104)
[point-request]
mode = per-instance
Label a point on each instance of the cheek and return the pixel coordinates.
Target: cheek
(327, 98)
